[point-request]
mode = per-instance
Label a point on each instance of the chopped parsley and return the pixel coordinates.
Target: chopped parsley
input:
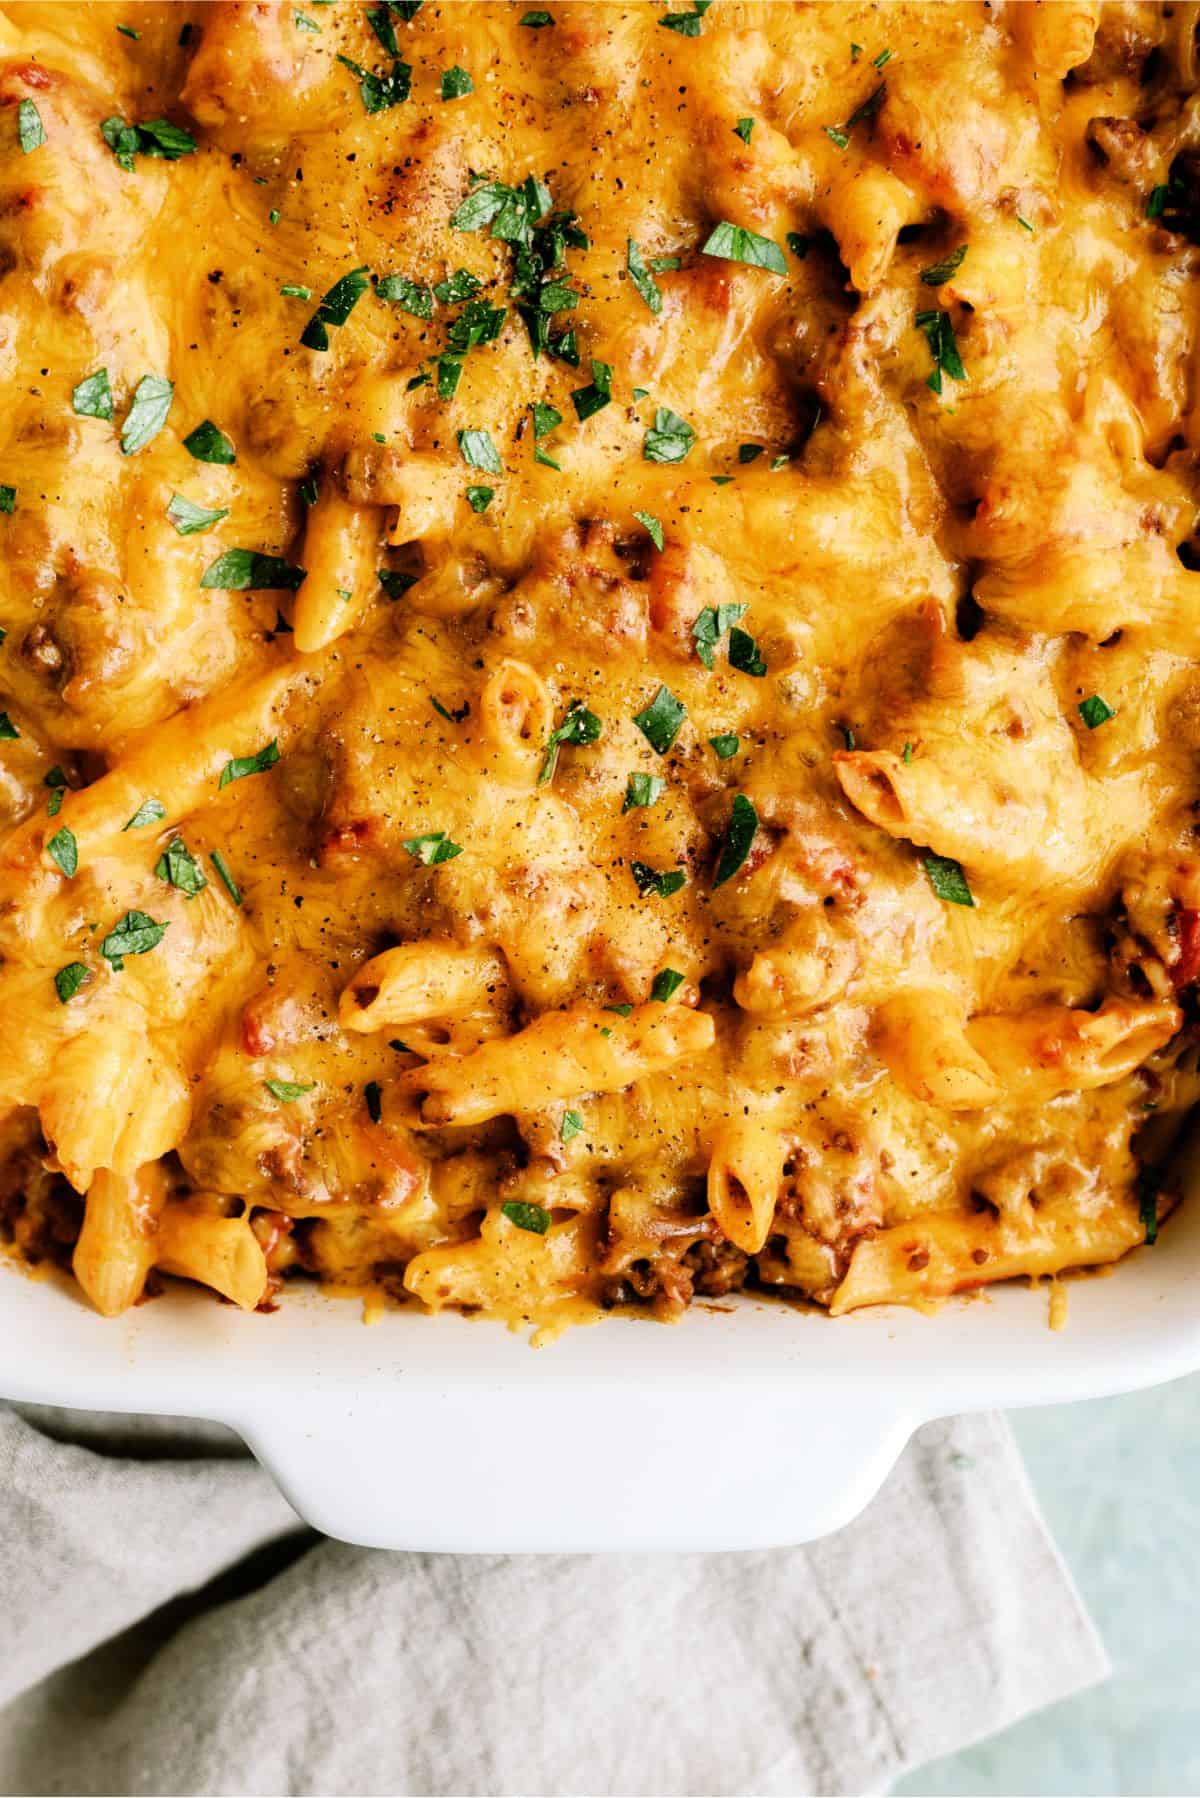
(8, 498)
(433, 848)
(68, 980)
(410, 296)
(643, 789)
(379, 92)
(1024, 224)
(948, 880)
(743, 128)
(134, 934)
(241, 570)
(373, 1094)
(711, 625)
(665, 985)
(797, 243)
(526, 1217)
(8, 730)
(1095, 712)
(1147, 1191)
(480, 498)
(653, 525)
(335, 308)
(148, 812)
(659, 722)
(178, 866)
(56, 780)
(461, 285)
(649, 881)
(228, 882)
(286, 1091)
(580, 727)
(733, 243)
(572, 1124)
(880, 61)
(31, 133)
(725, 745)
(63, 849)
(157, 137)
(379, 18)
(296, 290)
(205, 444)
(938, 272)
(239, 766)
(597, 395)
(739, 835)
(456, 84)
(939, 335)
(189, 518)
(749, 452)
(670, 439)
(545, 420)
(536, 19)
(641, 277)
(395, 582)
(744, 653)
(452, 717)
(687, 24)
(148, 413)
(478, 451)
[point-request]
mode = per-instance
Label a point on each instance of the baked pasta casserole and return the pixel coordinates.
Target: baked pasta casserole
(598, 699)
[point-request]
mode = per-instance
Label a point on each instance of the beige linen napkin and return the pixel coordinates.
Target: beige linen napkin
(170, 1627)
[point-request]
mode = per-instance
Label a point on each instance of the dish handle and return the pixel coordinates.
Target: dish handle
(579, 1469)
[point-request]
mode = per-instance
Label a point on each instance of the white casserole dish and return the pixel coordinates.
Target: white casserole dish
(745, 1427)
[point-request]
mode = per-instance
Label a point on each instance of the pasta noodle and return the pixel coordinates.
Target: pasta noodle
(600, 605)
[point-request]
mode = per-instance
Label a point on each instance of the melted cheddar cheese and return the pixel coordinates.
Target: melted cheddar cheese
(599, 691)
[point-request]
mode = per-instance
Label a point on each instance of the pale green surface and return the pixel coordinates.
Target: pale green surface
(1119, 1481)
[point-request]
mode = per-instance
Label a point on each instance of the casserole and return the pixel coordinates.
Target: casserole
(749, 1427)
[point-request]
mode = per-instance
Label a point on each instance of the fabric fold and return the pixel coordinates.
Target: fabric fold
(170, 1629)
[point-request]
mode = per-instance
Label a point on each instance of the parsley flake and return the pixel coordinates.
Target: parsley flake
(379, 92)
(670, 439)
(63, 849)
(744, 654)
(526, 1217)
(726, 745)
(456, 83)
(148, 413)
(410, 296)
(287, 1091)
(189, 518)
(940, 272)
(1095, 712)
(179, 868)
(739, 835)
(134, 934)
(478, 451)
(659, 722)
(228, 882)
(432, 848)
(687, 24)
(243, 570)
(665, 985)
(68, 980)
(643, 789)
(649, 881)
(480, 498)
(641, 277)
(572, 1124)
(580, 727)
(711, 625)
(939, 335)
(239, 766)
(31, 133)
(733, 243)
(743, 128)
(948, 880)
(653, 525)
(335, 308)
(148, 812)
(205, 444)
(597, 395)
